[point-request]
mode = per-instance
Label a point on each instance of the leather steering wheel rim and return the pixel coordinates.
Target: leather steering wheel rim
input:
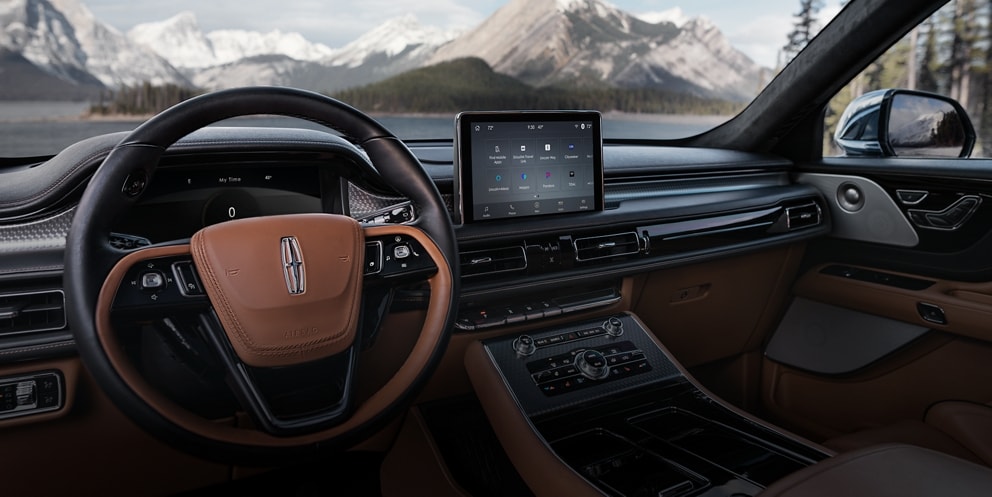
(117, 184)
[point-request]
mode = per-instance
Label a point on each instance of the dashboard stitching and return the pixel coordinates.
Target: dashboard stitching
(32, 269)
(58, 182)
(36, 348)
(200, 252)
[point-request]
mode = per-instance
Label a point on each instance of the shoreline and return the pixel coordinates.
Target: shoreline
(41, 111)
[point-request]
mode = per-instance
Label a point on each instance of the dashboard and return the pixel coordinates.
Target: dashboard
(661, 207)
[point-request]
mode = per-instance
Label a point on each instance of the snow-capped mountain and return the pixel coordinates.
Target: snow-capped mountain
(180, 40)
(44, 37)
(228, 58)
(395, 46)
(674, 15)
(63, 38)
(540, 42)
(402, 36)
(233, 44)
(177, 39)
(589, 41)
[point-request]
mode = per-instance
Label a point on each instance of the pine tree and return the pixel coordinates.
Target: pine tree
(927, 70)
(804, 28)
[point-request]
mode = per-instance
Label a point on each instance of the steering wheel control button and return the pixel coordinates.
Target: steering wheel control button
(404, 256)
(152, 281)
(401, 251)
(373, 258)
(159, 282)
(188, 280)
(524, 345)
(592, 364)
(613, 327)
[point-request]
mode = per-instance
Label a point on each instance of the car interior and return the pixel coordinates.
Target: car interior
(194, 310)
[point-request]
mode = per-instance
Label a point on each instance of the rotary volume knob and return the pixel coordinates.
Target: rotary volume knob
(524, 345)
(592, 364)
(613, 327)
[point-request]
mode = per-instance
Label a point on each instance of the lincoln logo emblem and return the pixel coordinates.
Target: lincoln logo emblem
(292, 265)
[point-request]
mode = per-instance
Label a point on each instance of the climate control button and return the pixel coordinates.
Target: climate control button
(592, 364)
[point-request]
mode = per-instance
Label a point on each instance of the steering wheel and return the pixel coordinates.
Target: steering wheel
(277, 300)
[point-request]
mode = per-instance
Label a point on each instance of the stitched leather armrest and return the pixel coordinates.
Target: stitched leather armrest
(887, 470)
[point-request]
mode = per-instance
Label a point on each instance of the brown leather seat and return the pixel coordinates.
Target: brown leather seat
(886, 471)
(961, 429)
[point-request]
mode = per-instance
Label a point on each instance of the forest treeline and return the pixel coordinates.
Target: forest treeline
(144, 99)
(450, 87)
(950, 53)
(470, 83)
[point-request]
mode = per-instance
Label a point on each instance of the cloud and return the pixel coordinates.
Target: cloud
(763, 37)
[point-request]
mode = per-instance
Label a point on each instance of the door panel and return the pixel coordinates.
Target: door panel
(901, 386)
(941, 284)
(831, 340)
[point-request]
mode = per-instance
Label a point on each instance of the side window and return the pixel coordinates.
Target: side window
(948, 54)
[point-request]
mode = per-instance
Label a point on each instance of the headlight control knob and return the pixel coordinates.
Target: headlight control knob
(524, 345)
(613, 327)
(592, 364)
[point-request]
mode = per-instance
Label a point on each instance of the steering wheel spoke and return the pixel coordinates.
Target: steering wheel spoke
(156, 284)
(394, 255)
(286, 400)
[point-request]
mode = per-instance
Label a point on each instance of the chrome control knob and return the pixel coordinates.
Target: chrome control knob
(592, 364)
(613, 327)
(524, 345)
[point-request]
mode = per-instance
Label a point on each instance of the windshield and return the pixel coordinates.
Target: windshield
(655, 69)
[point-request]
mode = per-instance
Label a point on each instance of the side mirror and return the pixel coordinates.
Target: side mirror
(905, 123)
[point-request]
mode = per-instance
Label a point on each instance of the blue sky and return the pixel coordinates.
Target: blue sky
(757, 27)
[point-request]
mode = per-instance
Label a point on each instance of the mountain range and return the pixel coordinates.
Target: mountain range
(59, 49)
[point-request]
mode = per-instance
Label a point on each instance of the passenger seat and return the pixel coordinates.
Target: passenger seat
(958, 428)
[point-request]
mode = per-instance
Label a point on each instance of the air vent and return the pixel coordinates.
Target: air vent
(32, 312)
(803, 216)
(491, 261)
(601, 247)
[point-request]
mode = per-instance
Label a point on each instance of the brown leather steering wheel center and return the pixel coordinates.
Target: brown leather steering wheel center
(287, 289)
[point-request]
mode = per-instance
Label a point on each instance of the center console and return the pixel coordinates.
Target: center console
(600, 407)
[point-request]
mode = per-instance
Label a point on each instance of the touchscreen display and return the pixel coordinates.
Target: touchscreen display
(517, 164)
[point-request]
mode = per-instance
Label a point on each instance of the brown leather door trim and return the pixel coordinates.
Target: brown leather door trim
(431, 335)
(967, 306)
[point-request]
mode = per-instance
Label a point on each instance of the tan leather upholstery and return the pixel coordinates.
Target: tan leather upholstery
(245, 273)
(909, 431)
(968, 423)
(887, 470)
(961, 429)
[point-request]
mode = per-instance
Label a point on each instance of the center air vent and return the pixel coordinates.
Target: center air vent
(803, 216)
(601, 247)
(31, 312)
(492, 261)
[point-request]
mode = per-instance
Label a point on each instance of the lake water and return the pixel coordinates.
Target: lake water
(44, 128)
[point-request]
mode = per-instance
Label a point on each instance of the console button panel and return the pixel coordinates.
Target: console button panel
(584, 367)
(564, 366)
